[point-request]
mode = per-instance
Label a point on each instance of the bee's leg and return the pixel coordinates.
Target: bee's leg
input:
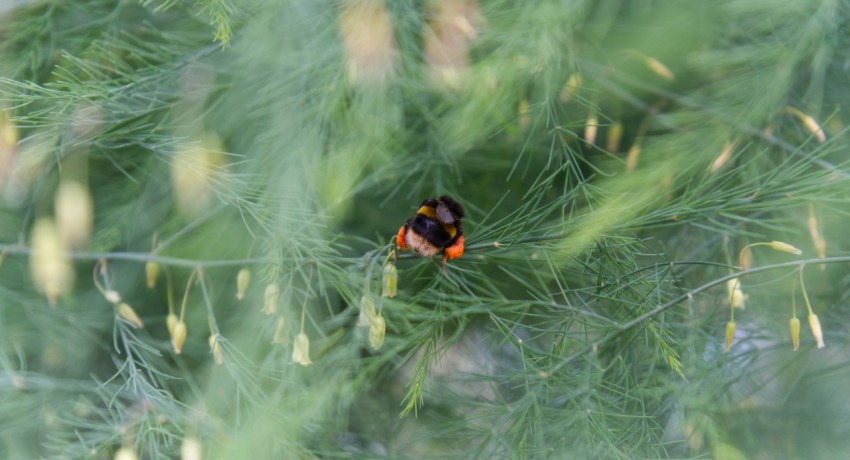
(399, 239)
(455, 250)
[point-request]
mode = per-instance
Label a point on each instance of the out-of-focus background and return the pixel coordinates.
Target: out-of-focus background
(199, 202)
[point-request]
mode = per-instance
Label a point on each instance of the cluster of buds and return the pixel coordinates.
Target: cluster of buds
(737, 299)
(371, 316)
(122, 309)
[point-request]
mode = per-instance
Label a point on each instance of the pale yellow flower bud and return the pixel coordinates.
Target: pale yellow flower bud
(126, 312)
(737, 298)
(279, 332)
(591, 127)
(171, 321)
(190, 449)
(50, 264)
(809, 123)
(367, 311)
(522, 113)
(780, 246)
(794, 325)
(151, 273)
(243, 278)
(178, 336)
(658, 68)
(195, 166)
(271, 298)
(126, 453)
(368, 42)
(814, 325)
(389, 285)
(615, 135)
(632, 156)
(730, 334)
(215, 348)
(112, 297)
(74, 209)
(724, 156)
(377, 329)
(301, 350)
(570, 88)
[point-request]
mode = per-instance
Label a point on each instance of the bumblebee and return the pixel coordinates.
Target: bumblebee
(435, 229)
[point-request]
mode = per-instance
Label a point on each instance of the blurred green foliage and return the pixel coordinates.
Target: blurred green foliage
(615, 159)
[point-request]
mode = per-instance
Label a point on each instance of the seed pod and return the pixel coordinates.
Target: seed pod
(794, 325)
(178, 336)
(389, 285)
(151, 273)
(125, 311)
(243, 278)
(377, 329)
(271, 298)
(730, 334)
(301, 350)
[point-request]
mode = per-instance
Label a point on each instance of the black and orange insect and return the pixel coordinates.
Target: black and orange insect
(435, 229)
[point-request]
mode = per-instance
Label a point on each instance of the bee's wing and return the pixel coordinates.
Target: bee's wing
(444, 215)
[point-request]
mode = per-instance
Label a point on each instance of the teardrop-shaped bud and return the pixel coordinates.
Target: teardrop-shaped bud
(50, 265)
(151, 273)
(301, 350)
(215, 348)
(794, 325)
(377, 329)
(785, 247)
(171, 321)
(367, 310)
(730, 334)
(243, 279)
(389, 284)
(178, 336)
(271, 298)
(126, 312)
(817, 332)
(74, 209)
